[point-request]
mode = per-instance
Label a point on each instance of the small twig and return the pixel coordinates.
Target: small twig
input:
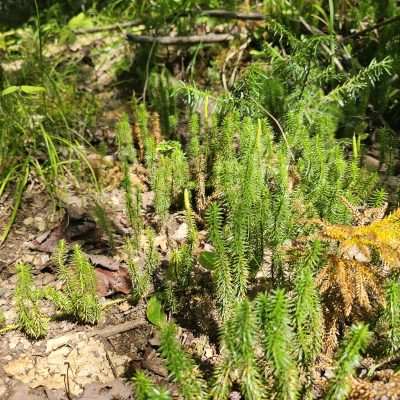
(223, 72)
(242, 48)
(66, 382)
(387, 360)
(225, 14)
(112, 27)
(113, 370)
(116, 329)
(377, 26)
(279, 126)
(181, 40)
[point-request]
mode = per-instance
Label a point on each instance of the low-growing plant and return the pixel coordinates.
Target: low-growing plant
(78, 297)
(30, 318)
(258, 353)
(140, 276)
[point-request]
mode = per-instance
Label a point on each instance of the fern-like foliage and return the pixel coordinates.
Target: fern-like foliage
(352, 280)
(127, 155)
(170, 178)
(278, 341)
(239, 361)
(181, 367)
(152, 258)
(348, 358)
(79, 296)
(30, 318)
(368, 76)
(126, 148)
(256, 340)
(145, 389)
(308, 311)
(222, 274)
(392, 315)
(140, 277)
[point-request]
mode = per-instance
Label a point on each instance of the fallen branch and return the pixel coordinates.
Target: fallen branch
(377, 26)
(181, 40)
(223, 14)
(116, 329)
(113, 27)
(388, 360)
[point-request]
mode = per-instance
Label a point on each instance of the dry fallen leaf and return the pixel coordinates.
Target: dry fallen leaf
(112, 282)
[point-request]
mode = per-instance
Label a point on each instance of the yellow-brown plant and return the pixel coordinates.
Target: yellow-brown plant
(352, 280)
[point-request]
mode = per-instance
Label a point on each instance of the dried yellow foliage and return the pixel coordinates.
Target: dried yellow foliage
(350, 282)
(356, 283)
(382, 235)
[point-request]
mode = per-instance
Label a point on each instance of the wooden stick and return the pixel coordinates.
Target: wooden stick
(181, 40)
(113, 27)
(378, 26)
(223, 14)
(116, 329)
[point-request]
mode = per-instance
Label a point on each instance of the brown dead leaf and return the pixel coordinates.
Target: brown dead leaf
(112, 282)
(47, 242)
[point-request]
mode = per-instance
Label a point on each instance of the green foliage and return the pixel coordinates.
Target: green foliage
(163, 99)
(103, 221)
(181, 367)
(256, 339)
(278, 341)
(170, 178)
(152, 258)
(239, 340)
(140, 277)
(348, 358)
(147, 139)
(126, 149)
(29, 316)
(127, 155)
(392, 315)
(263, 162)
(308, 313)
(154, 312)
(78, 297)
(146, 390)
(368, 76)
